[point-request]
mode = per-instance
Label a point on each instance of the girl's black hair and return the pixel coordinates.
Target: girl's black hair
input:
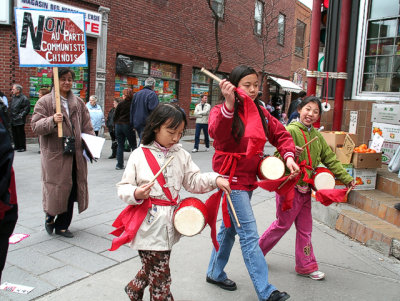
(161, 114)
(62, 71)
(308, 99)
(237, 126)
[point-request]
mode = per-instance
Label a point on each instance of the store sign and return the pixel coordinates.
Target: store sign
(92, 19)
(6, 12)
(50, 38)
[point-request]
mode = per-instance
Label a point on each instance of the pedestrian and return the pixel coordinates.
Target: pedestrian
(96, 114)
(123, 128)
(144, 102)
(111, 128)
(64, 168)
(295, 103)
(19, 109)
(4, 99)
(316, 153)
(8, 193)
(230, 158)
(152, 204)
(201, 112)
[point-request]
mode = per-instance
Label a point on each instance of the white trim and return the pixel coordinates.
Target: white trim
(357, 93)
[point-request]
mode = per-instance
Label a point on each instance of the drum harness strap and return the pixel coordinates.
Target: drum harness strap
(303, 165)
(130, 219)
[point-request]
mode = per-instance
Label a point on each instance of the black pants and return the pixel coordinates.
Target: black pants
(63, 220)
(18, 132)
(7, 225)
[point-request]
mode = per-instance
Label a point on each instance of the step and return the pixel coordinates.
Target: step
(371, 230)
(377, 203)
(388, 182)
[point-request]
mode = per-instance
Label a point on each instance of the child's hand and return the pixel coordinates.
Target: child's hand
(143, 192)
(298, 151)
(224, 185)
(352, 184)
(293, 167)
(228, 89)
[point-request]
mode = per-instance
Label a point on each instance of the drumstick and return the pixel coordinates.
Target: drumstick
(209, 74)
(312, 140)
(348, 190)
(284, 182)
(161, 169)
(233, 209)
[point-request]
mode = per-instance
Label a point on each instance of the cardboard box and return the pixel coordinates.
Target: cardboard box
(388, 150)
(390, 132)
(350, 170)
(336, 139)
(386, 113)
(367, 160)
(365, 179)
(345, 153)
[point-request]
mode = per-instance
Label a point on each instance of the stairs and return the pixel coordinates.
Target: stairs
(369, 216)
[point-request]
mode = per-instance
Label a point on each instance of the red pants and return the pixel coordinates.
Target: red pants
(300, 214)
(155, 272)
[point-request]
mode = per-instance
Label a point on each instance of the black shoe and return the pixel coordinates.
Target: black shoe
(21, 150)
(227, 284)
(278, 296)
(65, 233)
(112, 157)
(49, 227)
(119, 167)
(397, 206)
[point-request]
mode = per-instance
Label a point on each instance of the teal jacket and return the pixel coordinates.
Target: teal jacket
(320, 152)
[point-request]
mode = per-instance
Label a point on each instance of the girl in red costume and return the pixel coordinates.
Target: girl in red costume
(233, 158)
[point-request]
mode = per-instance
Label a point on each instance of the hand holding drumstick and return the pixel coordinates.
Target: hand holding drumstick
(300, 149)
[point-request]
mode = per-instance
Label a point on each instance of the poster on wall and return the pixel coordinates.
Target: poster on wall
(50, 38)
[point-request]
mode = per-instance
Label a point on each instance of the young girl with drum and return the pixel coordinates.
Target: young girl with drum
(154, 203)
(230, 146)
(315, 153)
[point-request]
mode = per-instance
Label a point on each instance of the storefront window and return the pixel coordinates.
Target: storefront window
(136, 72)
(381, 72)
(42, 79)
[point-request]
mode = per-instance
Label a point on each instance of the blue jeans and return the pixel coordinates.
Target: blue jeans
(123, 131)
(199, 127)
(248, 238)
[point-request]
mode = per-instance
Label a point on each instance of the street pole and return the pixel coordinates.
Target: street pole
(314, 46)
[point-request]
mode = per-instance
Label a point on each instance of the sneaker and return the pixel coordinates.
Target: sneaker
(316, 275)
(119, 167)
(207, 149)
(195, 150)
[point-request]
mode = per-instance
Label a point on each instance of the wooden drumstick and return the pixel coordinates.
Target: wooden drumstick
(312, 140)
(348, 190)
(161, 169)
(233, 209)
(284, 182)
(209, 74)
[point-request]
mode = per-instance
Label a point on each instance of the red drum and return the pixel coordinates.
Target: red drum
(323, 178)
(190, 217)
(271, 168)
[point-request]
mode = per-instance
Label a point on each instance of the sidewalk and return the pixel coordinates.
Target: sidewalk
(81, 268)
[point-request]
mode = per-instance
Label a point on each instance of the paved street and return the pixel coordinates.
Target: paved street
(81, 268)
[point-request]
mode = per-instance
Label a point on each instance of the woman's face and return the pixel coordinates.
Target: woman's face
(309, 113)
(249, 84)
(66, 81)
(92, 101)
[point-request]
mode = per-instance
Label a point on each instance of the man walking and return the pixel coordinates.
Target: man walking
(19, 109)
(143, 103)
(201, 113)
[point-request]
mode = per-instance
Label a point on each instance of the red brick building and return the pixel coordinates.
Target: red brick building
(169, 40)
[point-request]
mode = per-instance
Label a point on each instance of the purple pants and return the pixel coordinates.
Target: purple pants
(300, 214)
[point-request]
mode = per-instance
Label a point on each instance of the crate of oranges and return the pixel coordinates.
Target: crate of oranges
(364, 157)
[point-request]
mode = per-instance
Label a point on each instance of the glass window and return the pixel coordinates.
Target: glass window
(382, 49)
(281, 29)
(299, 43)
(218, 7)
(258, 17)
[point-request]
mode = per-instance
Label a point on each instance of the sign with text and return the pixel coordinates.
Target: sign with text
(92, 19)
(50, 38)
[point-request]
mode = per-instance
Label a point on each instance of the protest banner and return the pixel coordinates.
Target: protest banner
(51, 39)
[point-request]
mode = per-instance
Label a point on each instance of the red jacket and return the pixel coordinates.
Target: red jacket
(220, 124)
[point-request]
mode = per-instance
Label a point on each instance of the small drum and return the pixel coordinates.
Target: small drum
(271, 168)
(190, 217)
(323, 178)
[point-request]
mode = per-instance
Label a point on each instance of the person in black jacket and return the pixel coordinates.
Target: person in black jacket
(111, 128)
(19, 109)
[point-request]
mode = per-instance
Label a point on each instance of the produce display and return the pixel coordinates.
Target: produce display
(363, 148)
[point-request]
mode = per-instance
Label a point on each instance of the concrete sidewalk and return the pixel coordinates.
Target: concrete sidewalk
(81, 268)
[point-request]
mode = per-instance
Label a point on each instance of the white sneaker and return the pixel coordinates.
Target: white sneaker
(317, 275)
(207, 149)
(194, 150)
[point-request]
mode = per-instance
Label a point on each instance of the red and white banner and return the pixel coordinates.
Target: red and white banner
(50, 38)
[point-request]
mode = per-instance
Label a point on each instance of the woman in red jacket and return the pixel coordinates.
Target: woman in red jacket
(232, 147)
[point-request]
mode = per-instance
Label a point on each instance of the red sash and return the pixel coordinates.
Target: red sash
(131, 218)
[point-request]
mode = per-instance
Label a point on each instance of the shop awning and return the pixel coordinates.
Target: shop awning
(286, 85)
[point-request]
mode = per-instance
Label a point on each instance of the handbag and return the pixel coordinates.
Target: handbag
(68, 145)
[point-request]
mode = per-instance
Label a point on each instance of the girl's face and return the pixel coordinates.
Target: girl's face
(166, 136)
(249, 84)
(309, 113)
